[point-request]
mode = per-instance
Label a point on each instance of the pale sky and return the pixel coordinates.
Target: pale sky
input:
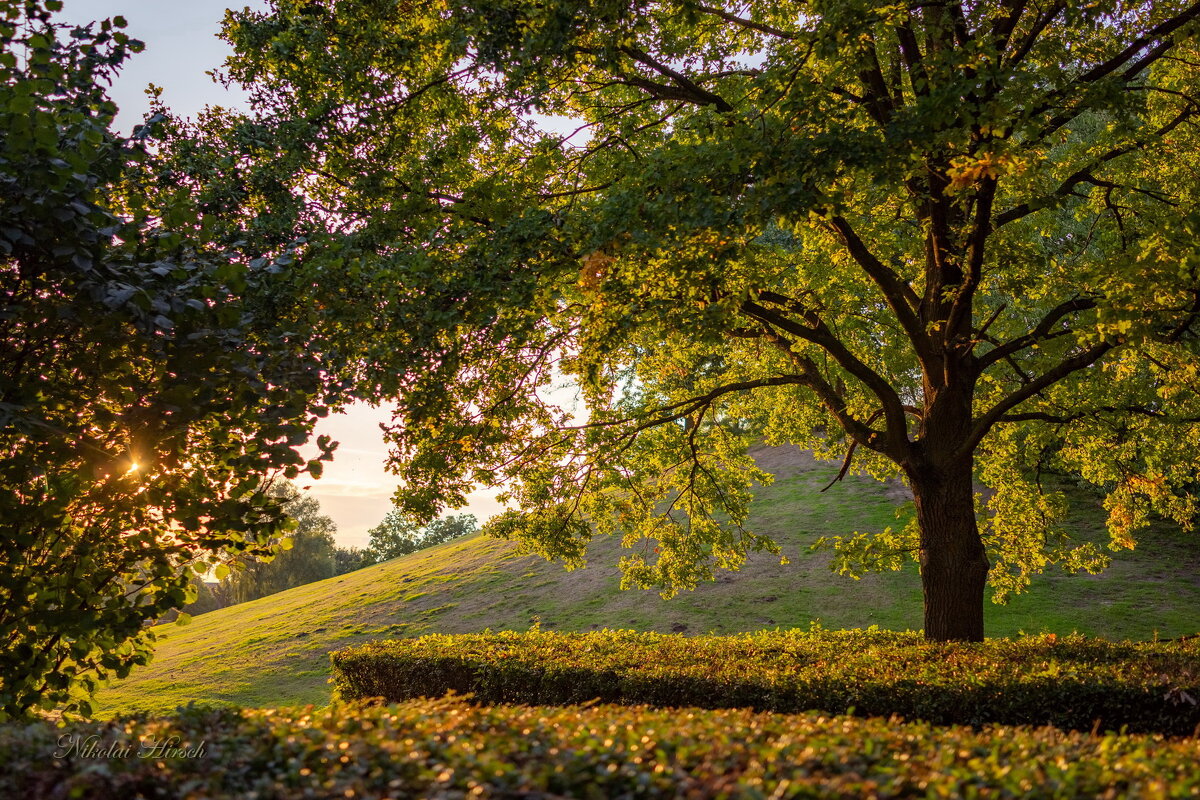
(181, 45)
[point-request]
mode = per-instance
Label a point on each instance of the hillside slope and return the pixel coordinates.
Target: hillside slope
(274, 651)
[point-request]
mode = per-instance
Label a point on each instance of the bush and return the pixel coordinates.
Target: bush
(446, 748)
(1074, 682)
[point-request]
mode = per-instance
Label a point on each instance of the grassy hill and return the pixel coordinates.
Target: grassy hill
(274, 651)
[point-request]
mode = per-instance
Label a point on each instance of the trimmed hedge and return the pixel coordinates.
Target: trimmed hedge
(448, 749)
(1072, 683)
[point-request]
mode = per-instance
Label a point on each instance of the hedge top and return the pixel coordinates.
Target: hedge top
(768, 655)
(1072, 682)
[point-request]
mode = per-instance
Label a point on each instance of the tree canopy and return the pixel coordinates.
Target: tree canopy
(148, 380)
(308, 556)
(398, 536)
(945, 240)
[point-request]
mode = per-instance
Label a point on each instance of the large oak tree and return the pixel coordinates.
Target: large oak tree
(949, 240)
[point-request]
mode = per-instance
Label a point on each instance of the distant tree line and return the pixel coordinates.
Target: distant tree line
(313, 554)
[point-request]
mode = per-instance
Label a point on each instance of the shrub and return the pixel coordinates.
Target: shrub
(1072, 682)
(446, 748)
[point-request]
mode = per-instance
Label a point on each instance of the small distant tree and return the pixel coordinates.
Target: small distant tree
(349, 559)
(306, 555)
(397, 536)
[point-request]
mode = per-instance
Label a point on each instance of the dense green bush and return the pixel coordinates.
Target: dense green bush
(1072, 682)
(446, 748)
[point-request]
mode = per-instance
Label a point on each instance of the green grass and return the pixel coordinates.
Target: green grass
(274, 651)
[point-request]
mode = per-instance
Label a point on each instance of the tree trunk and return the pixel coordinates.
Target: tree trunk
(954, 565)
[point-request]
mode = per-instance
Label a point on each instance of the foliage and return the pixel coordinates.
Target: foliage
(145, 383)
(308, 556)
(398, 536)
(350, 559)
(946, 240)
(210, 595)
(1070, 683)
(448, 749)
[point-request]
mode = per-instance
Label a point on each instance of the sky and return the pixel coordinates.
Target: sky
(181, 45)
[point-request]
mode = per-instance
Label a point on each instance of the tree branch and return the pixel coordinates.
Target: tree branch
(1039, 25)
(688, 407)
(1165, 28)
(981, 228)
(573, 192)
(831, 398)
(1062, 419)
(878, 101)
(817, 333)
(911, 52)
(899, 295)
(1003, 27)
(1116, 62)
(1085, 174)
(849, 459)
(747, 23)
(685, 88)
(1039, 333)
(1053, 375)
(958, 21)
